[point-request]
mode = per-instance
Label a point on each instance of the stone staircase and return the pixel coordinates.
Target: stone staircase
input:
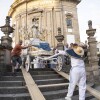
(13, 87)
(53, 86)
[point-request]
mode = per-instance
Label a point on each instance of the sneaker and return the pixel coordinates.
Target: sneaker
(68, 98)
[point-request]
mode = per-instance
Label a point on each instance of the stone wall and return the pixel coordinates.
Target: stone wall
(5, 61)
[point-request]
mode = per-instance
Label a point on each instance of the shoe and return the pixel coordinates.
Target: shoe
(68, 98)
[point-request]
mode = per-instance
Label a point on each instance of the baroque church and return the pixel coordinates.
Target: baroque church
(44, 17)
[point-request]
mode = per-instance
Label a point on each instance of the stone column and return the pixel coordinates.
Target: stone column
(60, 38)
(93, 59)
(6, 46)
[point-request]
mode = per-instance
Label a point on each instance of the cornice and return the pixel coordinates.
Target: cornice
(16, 4)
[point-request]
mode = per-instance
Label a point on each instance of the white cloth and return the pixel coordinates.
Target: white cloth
(77, 77)
(27, 63)
(42, 65)
(36, 62)
(62, 52)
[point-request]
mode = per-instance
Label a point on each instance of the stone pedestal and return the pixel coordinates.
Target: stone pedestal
(59, 38)
(5, 61)
(92, 55)
(6, 46)
(6, 41)
(89, 74)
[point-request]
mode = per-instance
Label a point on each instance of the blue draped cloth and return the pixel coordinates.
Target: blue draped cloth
(45, 46)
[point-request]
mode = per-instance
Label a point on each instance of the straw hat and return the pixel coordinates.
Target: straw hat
(76, 52)
(79, 51)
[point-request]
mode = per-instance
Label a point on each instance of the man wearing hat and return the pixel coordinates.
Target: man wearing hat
(77, 72)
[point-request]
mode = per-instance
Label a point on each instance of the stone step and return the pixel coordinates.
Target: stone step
(22, 96)
(53, 87)
(41, 72)
(89, 96)
(50, 81)
(60, 95)
(13, 90)
(10, 74)
(76, 97)
(13, 87)
(11, 78)
(46, 76)
(42, 69)
(57, 94)
(12, 83)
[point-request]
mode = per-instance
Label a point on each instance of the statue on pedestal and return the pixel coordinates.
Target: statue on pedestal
(34, 27)
(35, 30)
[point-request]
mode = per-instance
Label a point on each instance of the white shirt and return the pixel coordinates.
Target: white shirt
(77, 62)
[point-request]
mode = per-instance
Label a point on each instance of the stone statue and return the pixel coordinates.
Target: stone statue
(90, 24)
(35, 27)
(35, 30)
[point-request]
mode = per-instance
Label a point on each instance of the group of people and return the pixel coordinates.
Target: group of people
(77, 72)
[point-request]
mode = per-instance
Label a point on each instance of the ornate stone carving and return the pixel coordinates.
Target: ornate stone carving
(7, 29)
(93, 59)
(6, 46)
(59, 38)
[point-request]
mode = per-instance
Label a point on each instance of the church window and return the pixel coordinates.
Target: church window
(69, 22)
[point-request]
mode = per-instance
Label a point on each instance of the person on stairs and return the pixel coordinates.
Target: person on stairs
(77, 72)
(16, 59)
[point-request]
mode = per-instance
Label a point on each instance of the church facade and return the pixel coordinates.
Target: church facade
(44, 17)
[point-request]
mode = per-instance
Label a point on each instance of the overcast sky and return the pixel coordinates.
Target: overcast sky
(87, 10)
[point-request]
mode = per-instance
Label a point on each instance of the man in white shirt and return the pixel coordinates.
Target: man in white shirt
(77, 73)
